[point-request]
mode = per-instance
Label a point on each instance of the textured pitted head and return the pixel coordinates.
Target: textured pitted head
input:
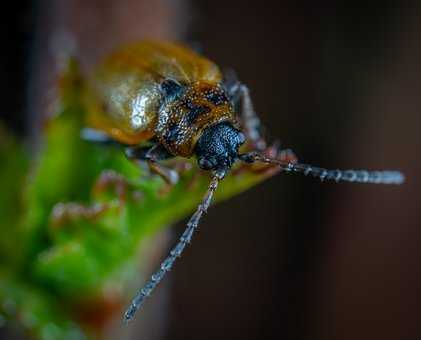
(217, 147)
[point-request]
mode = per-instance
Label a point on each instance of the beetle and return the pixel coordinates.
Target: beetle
(164, 100)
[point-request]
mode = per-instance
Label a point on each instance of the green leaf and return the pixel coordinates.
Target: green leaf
(67, 266)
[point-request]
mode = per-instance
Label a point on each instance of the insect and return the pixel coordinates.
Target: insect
(163, 100)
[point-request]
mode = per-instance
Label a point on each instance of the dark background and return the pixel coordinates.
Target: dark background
(339, 83)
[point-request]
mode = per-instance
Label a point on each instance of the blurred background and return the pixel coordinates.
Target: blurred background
(292, 258)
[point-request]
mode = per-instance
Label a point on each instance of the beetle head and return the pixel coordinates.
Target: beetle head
(217, 147)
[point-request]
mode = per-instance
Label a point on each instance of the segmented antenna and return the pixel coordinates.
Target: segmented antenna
(357, 176)
(167, 264)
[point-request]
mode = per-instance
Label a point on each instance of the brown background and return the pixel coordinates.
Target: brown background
(292, 258)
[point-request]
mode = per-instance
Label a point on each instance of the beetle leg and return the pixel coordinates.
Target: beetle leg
(230, 84)
(288, 156)
(155, 154)
(168, 175)
(152, 156)
(274, 151)
(97, 136)
(284, 155)
(149, 154)
(240, 96)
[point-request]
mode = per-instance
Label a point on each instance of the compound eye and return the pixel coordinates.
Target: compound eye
(205, 164)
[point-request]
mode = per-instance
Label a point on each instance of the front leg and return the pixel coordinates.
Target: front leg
(252, 126)
(152, 155)
(240, 97)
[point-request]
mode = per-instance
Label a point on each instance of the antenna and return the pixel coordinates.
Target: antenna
(357, 176)
(167, 264)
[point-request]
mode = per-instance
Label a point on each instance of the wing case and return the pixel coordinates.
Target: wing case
(123, 95)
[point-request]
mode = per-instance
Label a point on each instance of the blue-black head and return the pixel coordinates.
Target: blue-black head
(217, 148)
